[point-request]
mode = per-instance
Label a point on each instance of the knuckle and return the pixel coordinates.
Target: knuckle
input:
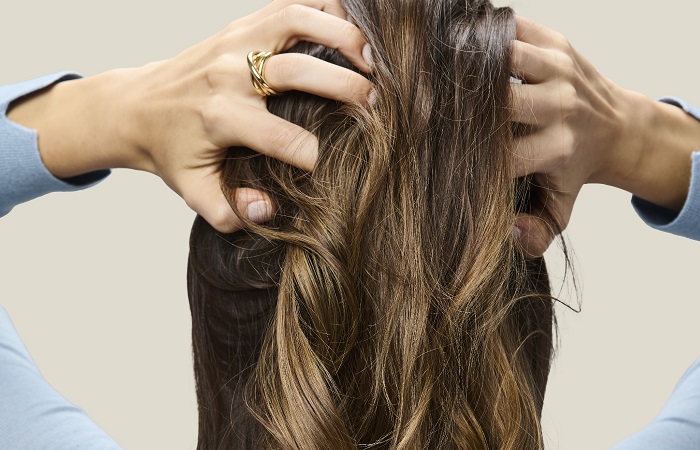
(227, 62)
(353, 84)
(292, 14)
(279, 140)
(567, 67)
(560, 41)
(233, 28)
(225, 40)
(214, 114)
(349, 34)
(220, 71)
(220, 215)
(295, 2)
(569, 100)
(566, 149)
(539, 65)
(283, 67)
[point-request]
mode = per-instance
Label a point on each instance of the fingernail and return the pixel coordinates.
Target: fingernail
(517, 232)
(367, 54)
(259, 212)
(372, 97)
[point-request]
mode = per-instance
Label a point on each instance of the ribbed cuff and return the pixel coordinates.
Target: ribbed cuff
(23, 175)
(686, 222)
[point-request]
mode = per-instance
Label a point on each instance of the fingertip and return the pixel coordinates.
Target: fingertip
(367, 55)
(254, 205)
(257, 212)
(359, 91)
(517, 232)
(260, 211)
(303, 151)
(534, 236)
(250, 204)
(355, 47)
(372, 98)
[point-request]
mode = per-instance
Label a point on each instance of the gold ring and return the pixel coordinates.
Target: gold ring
(256, 63)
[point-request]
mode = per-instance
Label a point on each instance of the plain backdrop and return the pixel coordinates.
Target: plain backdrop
(95, 280)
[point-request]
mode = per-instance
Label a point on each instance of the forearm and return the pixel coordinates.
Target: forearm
(678, 424)
(80, 124)
(32, 413)
(23, 176)
(654, 162)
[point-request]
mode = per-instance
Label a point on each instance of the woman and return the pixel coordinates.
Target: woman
(387, 305)
(554, 108)
(345, 323)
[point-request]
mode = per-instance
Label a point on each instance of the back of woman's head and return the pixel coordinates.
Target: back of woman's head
(386, 305)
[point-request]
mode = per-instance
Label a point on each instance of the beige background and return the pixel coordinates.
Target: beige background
(95, 281)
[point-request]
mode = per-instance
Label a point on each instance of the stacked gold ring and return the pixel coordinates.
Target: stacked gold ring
(256, 63)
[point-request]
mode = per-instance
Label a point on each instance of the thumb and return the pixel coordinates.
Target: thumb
(534, 234)
(208, 200)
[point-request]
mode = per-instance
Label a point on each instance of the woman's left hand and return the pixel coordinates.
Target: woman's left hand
(584, 128)
(177, 117)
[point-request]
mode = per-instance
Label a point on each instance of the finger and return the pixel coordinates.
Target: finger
(538, 35)
(332, 7)
(530, 63)
(522, 108)
(254, 205)
(207, 199)
(543, 150)
(273, 136)
(299, 72)
(527, 158)
(533, 234)
(301, 23)
(534, 104)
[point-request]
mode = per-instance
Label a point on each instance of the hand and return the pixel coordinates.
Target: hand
(584, 128)
(176, 118)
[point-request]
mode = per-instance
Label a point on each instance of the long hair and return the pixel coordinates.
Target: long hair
(387, 304)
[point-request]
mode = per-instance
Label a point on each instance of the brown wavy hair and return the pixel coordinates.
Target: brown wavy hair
(387, 304)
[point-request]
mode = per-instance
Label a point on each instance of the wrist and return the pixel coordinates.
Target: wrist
(668, 136)
(650, 154)
(621, 161)
(79, 125)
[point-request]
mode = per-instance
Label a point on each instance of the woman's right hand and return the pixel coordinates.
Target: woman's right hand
(586, 129)
(177, 117)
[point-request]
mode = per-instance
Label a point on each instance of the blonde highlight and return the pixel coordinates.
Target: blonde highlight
(387, 305)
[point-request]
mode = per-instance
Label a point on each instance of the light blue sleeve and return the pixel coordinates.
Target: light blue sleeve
(32, 414)
(22, 174)
(687, 222)
(677, 427)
